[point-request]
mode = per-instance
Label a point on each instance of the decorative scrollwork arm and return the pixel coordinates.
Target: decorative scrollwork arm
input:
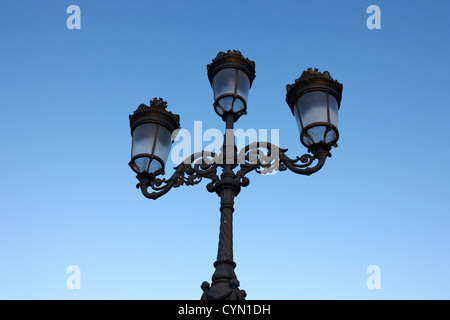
(320, 152)
(264, 157)
(190, 172)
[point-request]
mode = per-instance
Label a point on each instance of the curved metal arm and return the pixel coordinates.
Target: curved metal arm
(204, 164)
(254, 158)
(190, 172)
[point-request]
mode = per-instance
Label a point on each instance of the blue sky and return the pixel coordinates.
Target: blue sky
(68, 197)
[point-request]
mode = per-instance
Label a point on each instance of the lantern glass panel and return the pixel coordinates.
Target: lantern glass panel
(224, 82)
(333, 110)
(313, 107)
(143, 138)
(243, 86)
(163, 143)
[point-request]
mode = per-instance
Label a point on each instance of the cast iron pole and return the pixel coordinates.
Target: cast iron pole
(224, 281)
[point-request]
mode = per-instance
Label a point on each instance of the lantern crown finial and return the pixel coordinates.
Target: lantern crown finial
(230, 54)
(156, 104)
(314, 73)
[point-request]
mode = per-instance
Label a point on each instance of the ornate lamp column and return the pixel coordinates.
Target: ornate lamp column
(314, 99)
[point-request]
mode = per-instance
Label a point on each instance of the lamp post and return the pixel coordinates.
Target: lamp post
(314, 100)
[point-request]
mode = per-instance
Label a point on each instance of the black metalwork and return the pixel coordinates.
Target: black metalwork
(267, 158)
(261, 157)
(313, 80)
(156, 112)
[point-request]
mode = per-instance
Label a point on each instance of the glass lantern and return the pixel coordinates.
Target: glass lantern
(314, 100)
(231, 76)
(151, 129)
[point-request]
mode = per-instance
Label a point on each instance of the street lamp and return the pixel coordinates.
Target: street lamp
(314, 100)
(231, 76)
(151, 128)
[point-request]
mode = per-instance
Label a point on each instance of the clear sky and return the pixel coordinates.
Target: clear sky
(68, 197)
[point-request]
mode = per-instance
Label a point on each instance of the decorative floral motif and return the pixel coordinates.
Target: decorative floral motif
(158, 103)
